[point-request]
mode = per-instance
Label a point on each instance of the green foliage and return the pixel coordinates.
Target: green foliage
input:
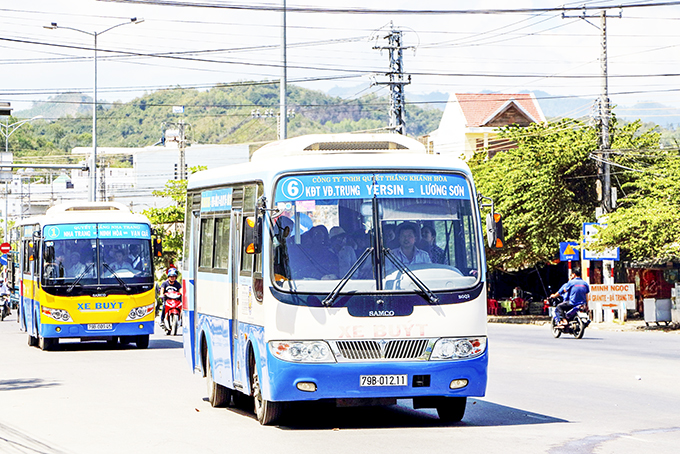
(546, 187)
(647, 223)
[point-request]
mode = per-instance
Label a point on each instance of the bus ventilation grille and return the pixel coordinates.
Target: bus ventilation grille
(397, 349)
(351, 146)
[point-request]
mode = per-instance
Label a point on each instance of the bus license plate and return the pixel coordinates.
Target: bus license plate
(383, 380)
(99, 326)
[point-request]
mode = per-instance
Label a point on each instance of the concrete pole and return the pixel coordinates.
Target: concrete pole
(604, 115)
(93, 167)
(283, 120)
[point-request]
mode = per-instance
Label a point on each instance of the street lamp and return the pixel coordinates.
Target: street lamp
(7, 132)
(93, 167)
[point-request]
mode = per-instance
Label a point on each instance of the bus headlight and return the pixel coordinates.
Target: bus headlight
(449, 348)
(140, 312)
(302, 351)
(59, 315)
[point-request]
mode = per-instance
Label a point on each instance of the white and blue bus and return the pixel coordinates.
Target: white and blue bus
(343, 267)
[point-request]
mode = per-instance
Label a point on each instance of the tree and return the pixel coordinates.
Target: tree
(546, 187)
(169, 221)
(647, 223)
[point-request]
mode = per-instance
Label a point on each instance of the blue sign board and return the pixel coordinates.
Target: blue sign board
(101, 230)
(569, 251)
(216, 200)
(3, 259)
(589, 232)
(366, 185)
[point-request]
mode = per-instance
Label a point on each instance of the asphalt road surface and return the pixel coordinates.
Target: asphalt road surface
(610, 392)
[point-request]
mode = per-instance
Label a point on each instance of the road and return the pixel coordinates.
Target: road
(611, 392)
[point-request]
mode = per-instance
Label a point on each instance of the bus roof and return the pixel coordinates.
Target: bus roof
(86, 212)
(325, 152)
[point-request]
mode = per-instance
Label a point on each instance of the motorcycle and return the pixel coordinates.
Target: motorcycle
(5, 309)
(173, 312)
(577, 319)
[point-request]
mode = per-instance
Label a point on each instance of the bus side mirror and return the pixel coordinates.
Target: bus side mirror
(158, 247)
(494, 231)
(256, 224)
(31, 250)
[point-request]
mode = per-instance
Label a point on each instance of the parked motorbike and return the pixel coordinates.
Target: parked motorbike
(173, 312)
(5, 309)
(577, 319)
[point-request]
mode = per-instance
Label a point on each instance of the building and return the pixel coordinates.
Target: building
(470, 121)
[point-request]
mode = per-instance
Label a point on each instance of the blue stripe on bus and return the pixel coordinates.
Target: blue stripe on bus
(81, 331)
(341, 380)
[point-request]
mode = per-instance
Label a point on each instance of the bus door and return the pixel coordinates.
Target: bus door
(189, 285)
(32, 308)
(235, 267)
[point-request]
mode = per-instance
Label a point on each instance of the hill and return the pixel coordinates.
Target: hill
(233, 113)
(63, 105)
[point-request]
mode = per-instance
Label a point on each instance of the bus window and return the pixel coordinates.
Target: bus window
(222, 242)
(326, 236)
(207, 241)
(126, 259)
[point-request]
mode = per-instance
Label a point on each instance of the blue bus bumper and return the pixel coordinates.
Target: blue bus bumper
(81, 331)
(342, 380)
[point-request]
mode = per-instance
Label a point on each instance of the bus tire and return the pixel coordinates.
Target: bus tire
(112, 342)
(32, 341)
(267, 412)
(218, 395)
(46, 343)
(142, 341)
(124, 340)
(451, 409)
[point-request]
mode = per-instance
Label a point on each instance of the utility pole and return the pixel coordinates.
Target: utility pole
(603, 166)
(182, 145)
(283, 120)
(396, 78)
(178, 135)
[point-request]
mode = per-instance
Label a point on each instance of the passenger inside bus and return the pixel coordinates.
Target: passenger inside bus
(76, 267)
(407, 252)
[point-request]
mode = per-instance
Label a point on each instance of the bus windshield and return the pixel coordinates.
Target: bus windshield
(96, 260)
(369, 232)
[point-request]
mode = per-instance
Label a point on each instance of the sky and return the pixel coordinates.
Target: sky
(533, 48)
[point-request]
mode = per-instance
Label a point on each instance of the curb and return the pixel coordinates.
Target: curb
(541, 320)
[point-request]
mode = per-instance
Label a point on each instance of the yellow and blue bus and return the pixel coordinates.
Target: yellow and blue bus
(310, 274)
(86, 272)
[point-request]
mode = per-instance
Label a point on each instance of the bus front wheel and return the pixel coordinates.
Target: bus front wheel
(46, 343)
(142, 341)
(451, 409)
(267, 412)
(32, 341)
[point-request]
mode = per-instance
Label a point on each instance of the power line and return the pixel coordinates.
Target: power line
(308, 9)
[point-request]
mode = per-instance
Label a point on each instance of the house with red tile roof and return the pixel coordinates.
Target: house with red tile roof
(471, 120)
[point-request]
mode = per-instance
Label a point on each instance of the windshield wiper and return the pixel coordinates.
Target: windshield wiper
(431, 297)
(328, 301)
(118, 278)
(80, 276)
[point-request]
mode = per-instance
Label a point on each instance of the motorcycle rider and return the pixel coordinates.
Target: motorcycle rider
(574, 292)
(4, 294)
(170, 283)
